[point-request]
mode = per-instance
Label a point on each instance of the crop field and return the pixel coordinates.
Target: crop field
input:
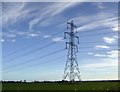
(79, 86)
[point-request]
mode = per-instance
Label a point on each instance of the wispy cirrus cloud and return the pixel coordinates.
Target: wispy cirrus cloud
(13, 13)
(49, 12)
(99, 5)
(102, 18)
(109, 22)
(17, 12)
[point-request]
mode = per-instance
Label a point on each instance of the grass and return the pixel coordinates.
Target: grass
(62, 86)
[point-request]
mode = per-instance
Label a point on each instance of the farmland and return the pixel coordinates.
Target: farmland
(79, 86)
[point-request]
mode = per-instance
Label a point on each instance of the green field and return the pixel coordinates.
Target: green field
(62, 86)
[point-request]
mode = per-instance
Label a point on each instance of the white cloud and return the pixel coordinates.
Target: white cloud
(57, 39)
(46, 36)
(115, 28)
(100, 55)
(115, 36)
(33, 35)
(113, 54)
(2, 40)
(90, 53)
(102, 46)
(24, 34)
(109, 39)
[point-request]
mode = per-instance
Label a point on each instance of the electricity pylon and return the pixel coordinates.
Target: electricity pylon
(71, 71)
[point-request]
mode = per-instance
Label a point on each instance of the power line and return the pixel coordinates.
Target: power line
(32, 51)
(31, 45)
(97, 34)
(93, 46)
(57, 58)
(37, 64)
(60, 56)
(84, 51)
(20, 50)
(90, 47)
(97, 30)
(37, 58)
(91, 42)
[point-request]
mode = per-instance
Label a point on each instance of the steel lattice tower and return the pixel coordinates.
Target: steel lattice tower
(71, 71)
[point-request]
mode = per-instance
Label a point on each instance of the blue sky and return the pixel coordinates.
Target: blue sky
(24, 24)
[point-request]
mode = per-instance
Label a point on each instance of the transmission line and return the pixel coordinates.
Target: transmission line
(37, 64)
(97, 30)
(97, 34)
(31, 45)
(93, 46)
(95, 50)
(37, 58)
(32, 51)
(20, 50)
(18, 68)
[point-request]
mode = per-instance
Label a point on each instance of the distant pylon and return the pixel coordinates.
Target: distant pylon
(71, 71)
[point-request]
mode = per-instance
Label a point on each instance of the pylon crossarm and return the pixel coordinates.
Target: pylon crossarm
(65, 34)
(77, 38)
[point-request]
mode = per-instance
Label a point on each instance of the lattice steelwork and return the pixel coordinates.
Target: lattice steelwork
(71, 71)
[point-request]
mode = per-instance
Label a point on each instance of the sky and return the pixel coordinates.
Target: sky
(33, 44)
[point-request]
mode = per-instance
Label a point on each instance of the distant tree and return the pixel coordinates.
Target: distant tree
(20, 81)
(24, 81)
